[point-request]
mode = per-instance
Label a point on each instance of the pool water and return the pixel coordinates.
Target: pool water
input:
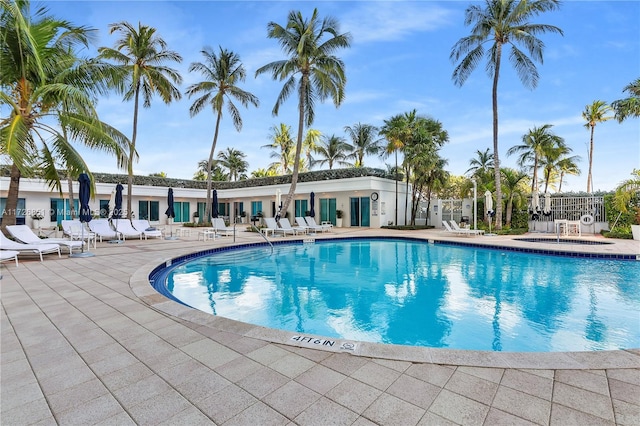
(408, 292)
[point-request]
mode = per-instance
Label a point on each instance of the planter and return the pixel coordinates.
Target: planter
(339, 222)
(36, 223)
(635, 231)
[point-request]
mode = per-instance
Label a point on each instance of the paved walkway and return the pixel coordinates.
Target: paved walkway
(84, 341)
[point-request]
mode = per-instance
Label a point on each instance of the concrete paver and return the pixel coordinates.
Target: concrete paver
(84, 341)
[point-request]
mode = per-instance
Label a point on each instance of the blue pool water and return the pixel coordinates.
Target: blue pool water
(413, 293)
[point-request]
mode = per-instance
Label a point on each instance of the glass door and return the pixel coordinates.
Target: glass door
(360, 209)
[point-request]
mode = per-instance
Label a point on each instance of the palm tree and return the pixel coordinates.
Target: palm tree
(141, 56)
(333, 150)
(234, 161)
(502, 22)
(364, 141)
(515, 183)
(567, 166)
(628, 107)
(593, 114)
(552, 162)
(222, 72)
(42, 79)
(310, 143)
(258, 173)
(217, 175)
(282, 146)
(321, 73)
(481, 166)
(537, 143)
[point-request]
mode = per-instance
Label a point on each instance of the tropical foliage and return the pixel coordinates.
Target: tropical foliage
(44, 81)
(502, 23)
(628, 107)
(333, 150)
(364, 141)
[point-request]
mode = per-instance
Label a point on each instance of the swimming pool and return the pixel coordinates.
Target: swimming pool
(409, 292)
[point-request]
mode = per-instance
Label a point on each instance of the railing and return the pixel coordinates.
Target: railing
(263, 236)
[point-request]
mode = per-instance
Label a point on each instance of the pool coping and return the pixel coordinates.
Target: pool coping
(141, 287)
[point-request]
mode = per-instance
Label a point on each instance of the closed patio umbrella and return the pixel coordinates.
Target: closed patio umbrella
(535, 205)
(117, 210)
(312, 202)
(84, 193)
(547, 204)
(214, 206)
(171, 213)
(488, 205)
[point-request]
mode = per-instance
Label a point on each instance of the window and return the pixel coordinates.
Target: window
(223, 209)
(60, 209)
(20, 210)
(301, 208)
(328, 210)
(256, 207)
(181, 209)
(104, 209)
(149, 210)
(239, 208)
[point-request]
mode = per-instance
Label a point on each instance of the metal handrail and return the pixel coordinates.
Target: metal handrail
(263, 236)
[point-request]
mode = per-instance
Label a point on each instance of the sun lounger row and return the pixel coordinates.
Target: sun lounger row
(38, 249)
(105, 229)
(284, 227)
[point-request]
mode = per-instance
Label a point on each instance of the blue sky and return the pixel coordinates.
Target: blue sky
(398, 61)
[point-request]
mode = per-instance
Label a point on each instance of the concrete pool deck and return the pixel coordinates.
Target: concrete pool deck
(88, 341)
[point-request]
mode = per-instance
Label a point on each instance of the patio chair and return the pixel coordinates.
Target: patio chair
(9, 255)
(143, 225)
(450, 230)
(312, 223)
(24, 234)
(125, 229)
(102, 229)
(272, 225)
(221, 227)
(38, 249)
(303, 224)
(286, 225)
(456, 227)
(76, 230)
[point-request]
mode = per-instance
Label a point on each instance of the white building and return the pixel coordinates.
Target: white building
(366, 200)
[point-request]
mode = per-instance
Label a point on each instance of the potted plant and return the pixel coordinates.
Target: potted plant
(627, 199)
(36, 218)
(339, 218)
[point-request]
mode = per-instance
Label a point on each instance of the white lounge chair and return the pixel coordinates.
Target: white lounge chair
(221, 227)
(9, 255)
(102, 229)
(38, 249)
(312, 223)
(76, 230)
(143, 225)
(25, 235)
(273, 225)
(456, 227)
(286, 225)
(125, 229)
(450, 230)
(303, 224)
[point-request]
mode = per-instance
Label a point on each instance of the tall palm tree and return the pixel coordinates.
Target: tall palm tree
(536, 144)
(364, 141)
(282, 147)
(217, 174)
(222, 72)
(333, 150)
(593, 114)
(502, 23)
(321, 73)
(396, 131)
(628, 107)
(141, 57)
(43, 79)
(234, 161)
(552, 162)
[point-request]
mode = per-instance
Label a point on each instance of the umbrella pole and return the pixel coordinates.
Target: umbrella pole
(82, 252)
(171, 237)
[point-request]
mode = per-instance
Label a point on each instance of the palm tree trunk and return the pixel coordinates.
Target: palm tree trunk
(10, 210)
(296, 160)
(589, 182)
(71, 197)
(207, 209)
(132, 151)
(496, 158)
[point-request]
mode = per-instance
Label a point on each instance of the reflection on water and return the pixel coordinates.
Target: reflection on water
(413, 293)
